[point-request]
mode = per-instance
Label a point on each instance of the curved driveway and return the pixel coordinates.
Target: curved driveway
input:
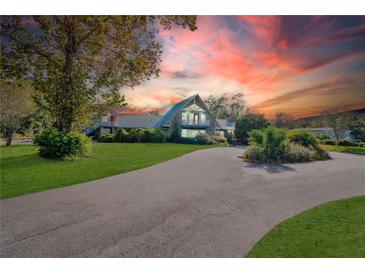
(205, 204)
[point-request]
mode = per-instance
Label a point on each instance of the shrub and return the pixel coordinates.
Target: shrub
(158, 136)
(255, 154)
(303, 138)
(247, 123)
(121, 136)
(204, 139)
(217, 139)
(231, 139)
(256, 137)
(324, 137)
(106, 138)
(349, 143)
(328, 142)
(58, 144)
(297, 153)
(136, 135)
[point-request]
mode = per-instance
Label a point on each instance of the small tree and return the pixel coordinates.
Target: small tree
(16, 104)
(283, 120)
(338, 121)
(175, 132)
(357, 128)
(248, 122)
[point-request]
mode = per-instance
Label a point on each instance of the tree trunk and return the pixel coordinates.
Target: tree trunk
(66, 112)
(8, 137)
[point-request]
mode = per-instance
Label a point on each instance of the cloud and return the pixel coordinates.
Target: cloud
(264, 56)
(331, 92)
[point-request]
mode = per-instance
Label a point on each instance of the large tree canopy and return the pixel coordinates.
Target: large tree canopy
(224, 106)
(79, 63)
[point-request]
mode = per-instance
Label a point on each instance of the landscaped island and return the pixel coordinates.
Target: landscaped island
(24, 171)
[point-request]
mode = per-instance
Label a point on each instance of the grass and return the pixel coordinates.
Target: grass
(331, 230)
(24, 171)
(346, 149)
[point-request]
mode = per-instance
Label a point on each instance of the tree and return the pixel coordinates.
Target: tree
(236, 106)
(79, 63)
(223, 107)
(337, 121)
(283, 120)
(217, 105)
(357, 128)
(248, 122)
(16, 103)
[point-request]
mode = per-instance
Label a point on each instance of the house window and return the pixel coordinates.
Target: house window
(196, 119)
(191, 118)
(191, 133)
(105, 118)
(184, 117)
(203, 118)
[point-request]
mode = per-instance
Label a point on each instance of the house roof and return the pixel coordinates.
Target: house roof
(225, 123)
(174, 110)
(138, 121)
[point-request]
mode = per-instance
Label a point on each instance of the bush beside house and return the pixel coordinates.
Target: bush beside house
(155, 135)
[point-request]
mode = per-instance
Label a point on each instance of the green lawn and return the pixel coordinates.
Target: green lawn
(335, 229)
(355, 150)
(24, 171)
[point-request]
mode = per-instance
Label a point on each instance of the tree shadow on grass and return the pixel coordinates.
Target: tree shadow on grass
(271, 168)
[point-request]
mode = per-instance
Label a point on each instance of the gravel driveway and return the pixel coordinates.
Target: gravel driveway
(208, 203)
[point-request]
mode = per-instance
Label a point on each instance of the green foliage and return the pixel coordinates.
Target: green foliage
(247, 123)
(158, 136)
(15, 105)
(272, 145)
(79, 63)
(57, 144)
(217, 139)
(303, 138)
(332, 142)
(175, 131)
(297, 153)
(204, 139)
(357, 129)
(323, 137)
(275, 142)
(137, 135)
(255, 154)
(224, 107)
(106, 138)
(231, 139)
(121, 135)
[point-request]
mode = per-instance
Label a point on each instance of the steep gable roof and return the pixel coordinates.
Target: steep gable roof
(174, 110)
(179, 107)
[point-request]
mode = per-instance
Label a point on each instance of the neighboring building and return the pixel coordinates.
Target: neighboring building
(189, 117)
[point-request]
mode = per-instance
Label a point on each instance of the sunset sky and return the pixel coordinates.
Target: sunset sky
(296, 64)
